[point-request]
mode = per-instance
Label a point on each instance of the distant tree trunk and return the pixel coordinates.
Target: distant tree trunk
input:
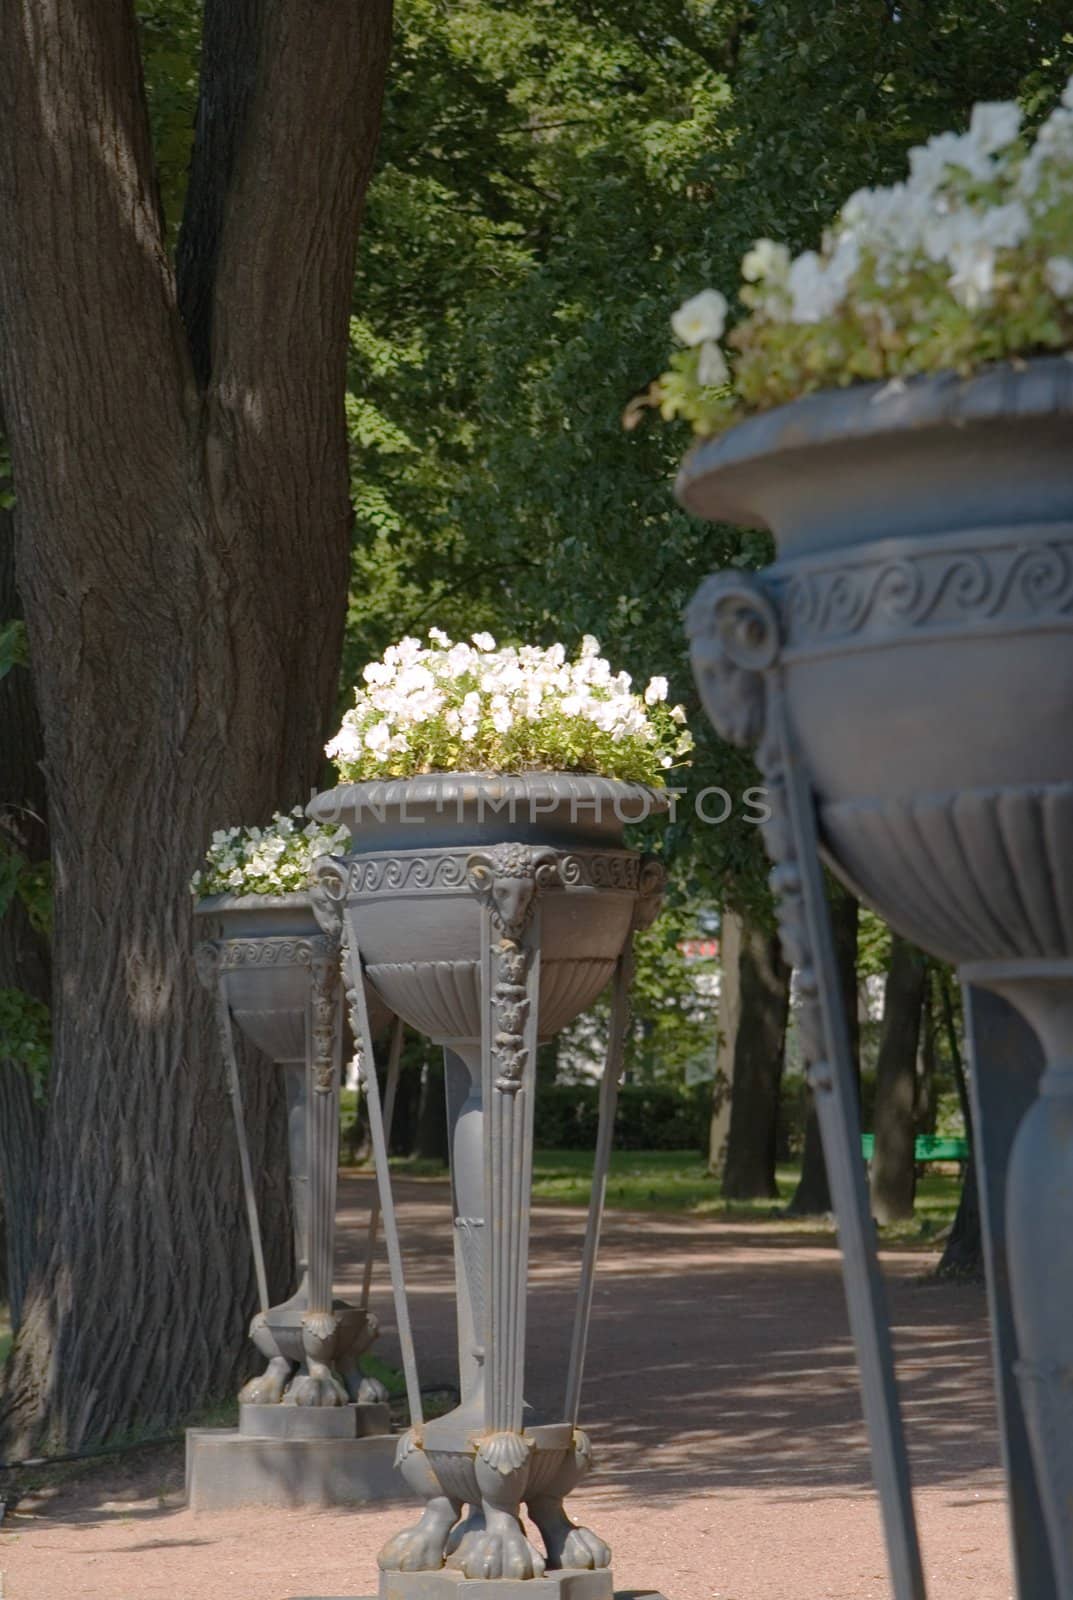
(547, 1062)
(182, 524)
(431, 1143)
(812, 1197)
(964, 1254)
(24, 954)
(729, 1015)
(893, 1179)
(927, 1107)
(759, 1042)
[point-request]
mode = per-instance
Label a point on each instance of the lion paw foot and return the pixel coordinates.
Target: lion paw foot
(500, 1553)
(417, 1549)
(308, 1389)
(583, 1548)
(267, 1390)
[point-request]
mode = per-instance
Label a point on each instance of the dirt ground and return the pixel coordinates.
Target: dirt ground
(721, 1400)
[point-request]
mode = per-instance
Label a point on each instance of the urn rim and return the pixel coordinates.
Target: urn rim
(719, 477)
(213, 904)
(451, 787)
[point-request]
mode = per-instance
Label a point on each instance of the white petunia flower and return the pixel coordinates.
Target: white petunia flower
(483, 641)
(656, 691)
(973, 278)
(994, 124)
(703, 317)
(712, 369)
(766, 259)
(814, 293)
(378, 738)
(1059, 275)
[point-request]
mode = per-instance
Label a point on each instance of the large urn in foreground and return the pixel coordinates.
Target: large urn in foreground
(488, 912)
(906, 672)
(275, 973)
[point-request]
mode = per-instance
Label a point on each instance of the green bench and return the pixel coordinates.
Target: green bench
(928, 1147)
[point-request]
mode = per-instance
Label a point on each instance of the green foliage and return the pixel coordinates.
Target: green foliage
(14, 651)
(658, 1116)
(170, 36)
(31, 882)
(26, 1036)
(551, 179)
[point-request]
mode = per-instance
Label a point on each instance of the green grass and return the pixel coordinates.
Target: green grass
(676, 1181)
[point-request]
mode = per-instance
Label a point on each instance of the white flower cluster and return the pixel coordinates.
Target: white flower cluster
(272, 860)
(478, 707)
(982, 221)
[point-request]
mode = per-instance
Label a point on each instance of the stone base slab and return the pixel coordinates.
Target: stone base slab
(566, 1584)
(313, 1422)
(225, 1469)
(620, 1594)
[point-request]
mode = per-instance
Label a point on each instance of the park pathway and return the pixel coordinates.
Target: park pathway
(722, 1403)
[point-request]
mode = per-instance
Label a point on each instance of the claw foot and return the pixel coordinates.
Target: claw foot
(316, 1387)
(267, 1389)
(421, 1548)
(500, 1551)
(583, 1548)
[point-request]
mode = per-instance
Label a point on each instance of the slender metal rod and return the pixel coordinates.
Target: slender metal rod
(394, 1062)
(839, 1120)
(364, 1038)
(234, 1089)
(609, 1087)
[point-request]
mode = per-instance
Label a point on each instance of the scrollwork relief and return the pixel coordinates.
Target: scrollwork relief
(734, 635)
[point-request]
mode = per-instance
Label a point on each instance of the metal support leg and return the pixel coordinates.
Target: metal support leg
(359, 1022)
(735, 642)
(234, 1090)
(394, 1062)
(609, 1088)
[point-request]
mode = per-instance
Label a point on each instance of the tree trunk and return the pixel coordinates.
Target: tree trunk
(893, 1179)
(431, 1142)
(182, 535)
(927, 1095)
(730, 929)
(24, 955)
(963, 1257)
(812, 1197)
(764, 987)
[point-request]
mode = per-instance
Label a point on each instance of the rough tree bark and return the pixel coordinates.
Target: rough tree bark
(182, 530)
(24, 956)
(759, 1040)
(812, 1197)
(893, 1177)
(730, 926)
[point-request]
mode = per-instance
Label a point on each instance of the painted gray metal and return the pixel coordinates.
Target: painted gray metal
(274, 970)
(1006, 1066)
(489, 923)
(916, 637)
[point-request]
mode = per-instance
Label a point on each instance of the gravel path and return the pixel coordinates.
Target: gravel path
(721, 1399)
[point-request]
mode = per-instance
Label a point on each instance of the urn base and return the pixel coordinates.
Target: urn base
(450, 1585)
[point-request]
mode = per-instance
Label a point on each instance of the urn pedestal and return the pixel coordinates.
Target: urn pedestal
(905, 671)
(274, 972)
(488, 912)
